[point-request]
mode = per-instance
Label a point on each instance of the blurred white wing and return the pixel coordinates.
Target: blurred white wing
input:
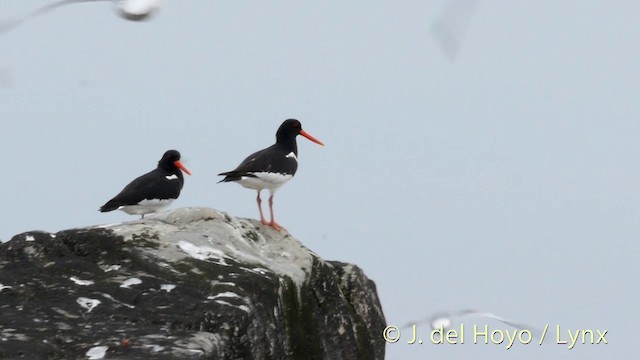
(436, 320)
(474, 313)
(445, 320)
(452, 24)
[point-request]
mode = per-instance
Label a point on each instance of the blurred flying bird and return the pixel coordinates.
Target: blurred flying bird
(446, 319)
(134, 10)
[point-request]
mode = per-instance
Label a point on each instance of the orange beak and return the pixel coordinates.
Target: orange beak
(305, 134)
(179, 165)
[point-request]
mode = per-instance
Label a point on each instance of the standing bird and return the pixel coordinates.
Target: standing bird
(152, 191)
(270, 168)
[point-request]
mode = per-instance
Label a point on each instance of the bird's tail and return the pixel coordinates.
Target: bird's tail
(229, 176)
(109, 206)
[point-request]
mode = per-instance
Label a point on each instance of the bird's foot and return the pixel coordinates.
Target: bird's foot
(264, 222)
(276, 226)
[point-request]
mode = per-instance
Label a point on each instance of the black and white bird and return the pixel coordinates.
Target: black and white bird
(152, 191)
(270, 168)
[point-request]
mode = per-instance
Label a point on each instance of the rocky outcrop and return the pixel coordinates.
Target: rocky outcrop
(191, 283)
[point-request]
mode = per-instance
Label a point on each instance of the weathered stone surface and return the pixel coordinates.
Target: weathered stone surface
(189, 283)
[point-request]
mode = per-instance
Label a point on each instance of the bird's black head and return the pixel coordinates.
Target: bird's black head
(170, 156)
(291, 128)
(171, 161)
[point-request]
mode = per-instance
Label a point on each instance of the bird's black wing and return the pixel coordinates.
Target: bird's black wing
(262, 161)
(152, 185)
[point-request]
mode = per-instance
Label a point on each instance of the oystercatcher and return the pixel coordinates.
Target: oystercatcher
(152, 191)
(270, 168)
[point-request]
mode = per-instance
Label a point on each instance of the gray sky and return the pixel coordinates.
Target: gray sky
(504, 181)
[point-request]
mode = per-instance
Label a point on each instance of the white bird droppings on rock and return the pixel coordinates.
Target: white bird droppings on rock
(244, 308)
(29, 238)
(80, 281)
(155, 348)
(111, 268)
(167, 287)
(117, 301)
(97, 352)
(87, 303)
(133, 281)
(226, 294)
(201, 252)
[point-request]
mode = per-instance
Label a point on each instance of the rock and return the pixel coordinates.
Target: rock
(190, 283)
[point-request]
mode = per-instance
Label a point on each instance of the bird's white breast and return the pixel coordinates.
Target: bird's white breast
(265, 180)
(146, 206)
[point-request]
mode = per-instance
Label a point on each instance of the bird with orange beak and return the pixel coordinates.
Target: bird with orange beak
(270, 168)
(152, 191)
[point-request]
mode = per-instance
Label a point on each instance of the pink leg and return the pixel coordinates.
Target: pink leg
(262, 219)
(273, 222)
